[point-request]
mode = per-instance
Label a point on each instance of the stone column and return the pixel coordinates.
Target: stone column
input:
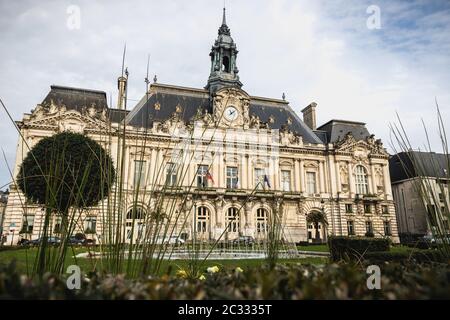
(220, 217)
(249, 228)
(221, 171)
(321, 177)
(161, 168)
(373, 184)
(387, 182)
(249, 173)
(215, 170)
(351, 180)
(296, 176)
(302, 176)
(274, 180)
(244, 166)
(151, 169)
(127, 168)
(337, 175)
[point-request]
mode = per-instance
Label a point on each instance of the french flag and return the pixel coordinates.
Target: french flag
(266, 180)
(209, 176)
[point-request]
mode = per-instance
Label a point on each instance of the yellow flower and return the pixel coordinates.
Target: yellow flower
(213, 269)
(238, 269)
(202, 277)
(181, 273)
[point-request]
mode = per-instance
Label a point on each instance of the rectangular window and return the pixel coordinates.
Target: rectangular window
(348, 208)
(367, 208)
(90, 225)
(259, 178)
(139, 173)
(387, 228)
(202, 179)
(441, 197)
(171, 174)
(232, 177)
(57, 226)
(28, 223)
(369, 228)
(286, 180)
(311, 183)
(384, 209)
(350, 228)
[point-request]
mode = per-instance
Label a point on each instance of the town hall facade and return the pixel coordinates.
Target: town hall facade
(226, 161)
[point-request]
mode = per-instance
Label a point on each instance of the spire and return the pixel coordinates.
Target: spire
(224, 28)
(224, 72)
(224, 18)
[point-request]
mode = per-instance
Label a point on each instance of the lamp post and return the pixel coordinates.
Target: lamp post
(194, 236)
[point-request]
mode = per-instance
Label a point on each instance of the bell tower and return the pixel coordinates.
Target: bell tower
(224, 72)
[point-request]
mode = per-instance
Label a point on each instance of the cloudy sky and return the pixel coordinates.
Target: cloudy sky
(320, 51)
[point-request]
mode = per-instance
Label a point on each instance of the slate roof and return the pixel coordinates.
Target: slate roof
(337, 129)
(76, 98)
(116, 115)
(430, 164)
(168, 98)
(190, 99)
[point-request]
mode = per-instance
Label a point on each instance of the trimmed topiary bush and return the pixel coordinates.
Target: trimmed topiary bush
(354, 248)
(66, 170)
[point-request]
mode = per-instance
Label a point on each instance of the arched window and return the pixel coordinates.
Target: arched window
(232, 220)
(226, 64)
(361, 180)
(261, 221)
(202, 219)
(135, 216)
(136, 213)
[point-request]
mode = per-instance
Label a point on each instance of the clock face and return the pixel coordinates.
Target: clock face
(231, 113)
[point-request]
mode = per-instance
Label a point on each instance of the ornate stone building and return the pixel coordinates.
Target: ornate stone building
(236, 159)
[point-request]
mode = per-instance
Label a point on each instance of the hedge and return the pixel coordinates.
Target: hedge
(353, 248)
(411, 256)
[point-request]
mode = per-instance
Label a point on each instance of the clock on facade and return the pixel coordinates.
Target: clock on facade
(231, 113)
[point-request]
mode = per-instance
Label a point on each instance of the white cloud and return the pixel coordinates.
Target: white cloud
(313, 51)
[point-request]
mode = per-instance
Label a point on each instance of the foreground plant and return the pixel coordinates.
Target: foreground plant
(333, 281)
(64, 173)
(430, 177)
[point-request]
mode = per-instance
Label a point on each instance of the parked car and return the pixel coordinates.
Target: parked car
(76, 241)
(436, 240)
(23, 242)
(50, 240)
(244, 240)
(168, 240)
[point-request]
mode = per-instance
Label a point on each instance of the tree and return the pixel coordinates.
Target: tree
(316, 217)
(66, 170)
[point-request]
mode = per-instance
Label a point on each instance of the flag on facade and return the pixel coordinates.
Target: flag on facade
(209, 176)
(266, 180)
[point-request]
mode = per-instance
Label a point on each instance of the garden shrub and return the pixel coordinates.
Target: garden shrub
(410, 256)
(351, 248)
(293, 281)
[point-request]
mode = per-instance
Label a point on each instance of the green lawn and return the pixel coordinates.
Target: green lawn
(25, 258)
(314, 247)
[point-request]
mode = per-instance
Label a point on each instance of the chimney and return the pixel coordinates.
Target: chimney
(309, 115)
(121, 85)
